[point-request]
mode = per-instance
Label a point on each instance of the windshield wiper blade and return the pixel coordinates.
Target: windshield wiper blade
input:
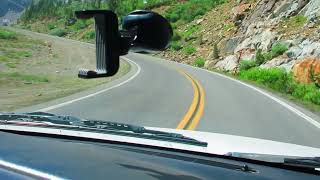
(143, 132)
(74, 123)
(308, 162)
(39, 117)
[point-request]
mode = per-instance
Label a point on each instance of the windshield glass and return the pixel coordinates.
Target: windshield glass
(241, 76)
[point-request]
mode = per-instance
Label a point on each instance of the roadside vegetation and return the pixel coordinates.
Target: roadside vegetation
(278, 79)
(283, 82)
(199, 62)
(14, 48)
(185, 12)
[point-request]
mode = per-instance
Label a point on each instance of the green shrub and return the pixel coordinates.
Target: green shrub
(51, 26)
(4, 34)
(298, 21)
(268, 56)
(278, 49)
(189, 49)
(90, 35)
(227, 27)
(11, 65)
(58, 32)
(279, 80)
(173, 17)
(247, 64)
(199, 62)
(190, 31)
(4, 58)
(189, 10)
(80, 24)
(274, 78)
(307, 92)
(260, 59)
(176, 46)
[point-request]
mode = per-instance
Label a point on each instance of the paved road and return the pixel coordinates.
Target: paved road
(163, 93)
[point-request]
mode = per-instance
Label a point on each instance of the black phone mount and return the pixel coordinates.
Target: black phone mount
(144, 30)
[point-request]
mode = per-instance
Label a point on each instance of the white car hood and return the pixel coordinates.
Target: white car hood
(223, 144)
(220, 144)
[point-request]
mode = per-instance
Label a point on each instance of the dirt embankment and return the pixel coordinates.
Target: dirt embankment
(48, 71)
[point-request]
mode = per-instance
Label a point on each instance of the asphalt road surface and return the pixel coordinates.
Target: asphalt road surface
(162, 93)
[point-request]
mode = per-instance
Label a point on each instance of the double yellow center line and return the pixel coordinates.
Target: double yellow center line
(195, 111)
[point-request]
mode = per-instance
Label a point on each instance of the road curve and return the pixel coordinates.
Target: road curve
(167, 94)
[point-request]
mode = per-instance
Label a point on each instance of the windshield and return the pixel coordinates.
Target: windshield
(244, 75)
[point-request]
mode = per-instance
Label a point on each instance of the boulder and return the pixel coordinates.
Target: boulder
(230, 63)
(312, 9)
(242, 8)
(262, 41)
(300, 5)
(285, 9)
(228, 46)
(288, 66)
(209, 64)
(309, 48)
(247, 54)
(239, 12)
(294, 52)
(307, 70)
(277, 62)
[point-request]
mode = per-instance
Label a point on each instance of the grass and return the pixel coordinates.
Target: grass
(293, 24)
(4, 34)
(296, 21)
(190, 31)
(17, 54)
(30, 83)
(4, 59)
(247, 64)
(51, 26)
(58, 32)
(11, 65)
(281, 81)
(228, 27)
(19, 90)
(189, 49)
(16, 76)
(189, 10)
(91, 34)
(277, 49)
(199, 62)
(16, 48)
(175, 45)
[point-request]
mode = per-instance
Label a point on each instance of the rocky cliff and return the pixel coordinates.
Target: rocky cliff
(240, 28)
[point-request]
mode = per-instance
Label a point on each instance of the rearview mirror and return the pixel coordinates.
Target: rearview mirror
(142, 31)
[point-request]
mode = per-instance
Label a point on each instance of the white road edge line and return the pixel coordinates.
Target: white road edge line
(292, 109)
(96, 93)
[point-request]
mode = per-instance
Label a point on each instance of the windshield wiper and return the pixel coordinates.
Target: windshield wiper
(300, 162)
(308, 162)
(49, 120)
